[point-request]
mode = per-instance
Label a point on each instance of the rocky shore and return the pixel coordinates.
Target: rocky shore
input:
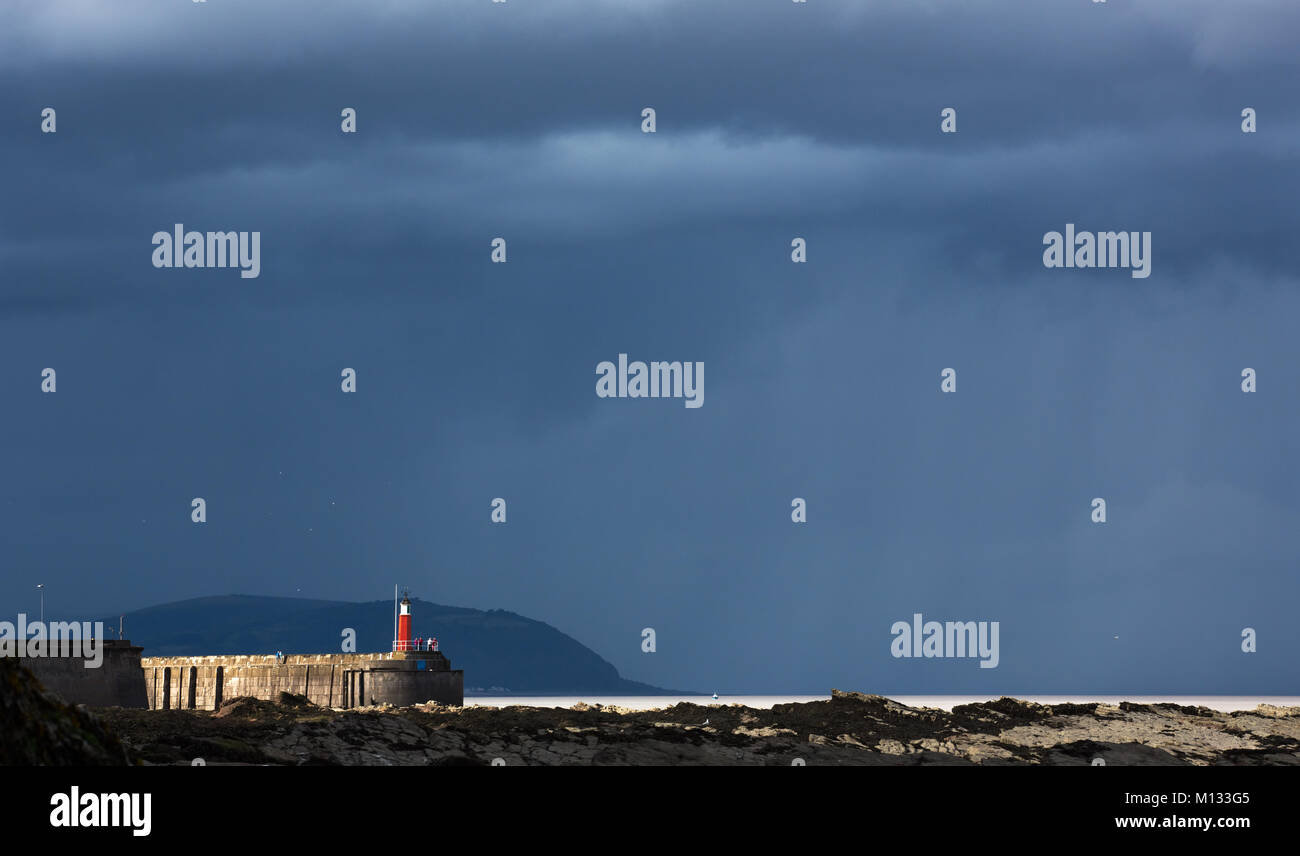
(37, 728)
(849, 729)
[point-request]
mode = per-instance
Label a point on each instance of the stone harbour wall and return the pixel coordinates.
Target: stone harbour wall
(117, 681)
(329, 680)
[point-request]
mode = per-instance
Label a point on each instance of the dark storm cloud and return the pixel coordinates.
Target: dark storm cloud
(477, 381)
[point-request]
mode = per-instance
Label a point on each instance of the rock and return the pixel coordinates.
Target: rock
(891, 747)
(293, 700)
(870, 730)
(37, 728)
(245, 706)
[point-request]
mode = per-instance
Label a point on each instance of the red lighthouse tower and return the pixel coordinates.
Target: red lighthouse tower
(403, 641)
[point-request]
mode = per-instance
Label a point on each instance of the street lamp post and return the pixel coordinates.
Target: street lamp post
(41, 588)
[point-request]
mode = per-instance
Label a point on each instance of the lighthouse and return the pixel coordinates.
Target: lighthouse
(403, 642)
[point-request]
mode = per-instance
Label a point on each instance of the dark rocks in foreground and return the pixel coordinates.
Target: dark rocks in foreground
(849, 729)
(36, 728)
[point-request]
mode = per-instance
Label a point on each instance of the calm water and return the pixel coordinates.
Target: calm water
(944, 702)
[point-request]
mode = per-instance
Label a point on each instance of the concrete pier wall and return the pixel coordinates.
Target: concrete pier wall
(119, 680)
(329, 680)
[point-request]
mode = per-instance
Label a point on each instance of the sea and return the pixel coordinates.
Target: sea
(943, 702)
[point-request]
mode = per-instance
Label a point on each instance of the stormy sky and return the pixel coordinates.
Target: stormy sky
(476, 380)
